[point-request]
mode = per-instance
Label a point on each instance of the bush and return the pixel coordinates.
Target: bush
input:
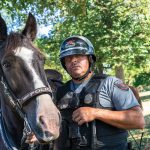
(142, 79)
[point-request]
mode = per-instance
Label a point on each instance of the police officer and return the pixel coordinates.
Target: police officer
(97, 110)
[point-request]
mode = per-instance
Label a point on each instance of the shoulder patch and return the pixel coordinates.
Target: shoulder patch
(121, 86)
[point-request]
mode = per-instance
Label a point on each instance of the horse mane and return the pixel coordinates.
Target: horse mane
(136, 94)
(54, 78)
(54, 75)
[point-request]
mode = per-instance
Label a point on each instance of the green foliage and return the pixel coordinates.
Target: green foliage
(52, 55)
(142, 79)
(118, 29)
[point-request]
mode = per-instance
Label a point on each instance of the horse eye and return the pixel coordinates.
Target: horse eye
(6, 64)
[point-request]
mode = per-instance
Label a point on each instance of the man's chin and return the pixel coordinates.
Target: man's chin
(76, 76)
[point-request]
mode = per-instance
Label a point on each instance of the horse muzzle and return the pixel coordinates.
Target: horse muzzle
(48, 127)
(44, 118)
(51, 126)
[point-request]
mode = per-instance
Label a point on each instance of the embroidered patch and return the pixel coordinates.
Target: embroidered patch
(122, 86)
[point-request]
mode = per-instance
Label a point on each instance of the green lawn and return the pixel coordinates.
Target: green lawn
(145, 96)
(137, 133)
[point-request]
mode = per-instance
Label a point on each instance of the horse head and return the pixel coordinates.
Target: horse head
(24, 85)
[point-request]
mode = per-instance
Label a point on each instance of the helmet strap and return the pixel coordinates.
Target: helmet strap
(84, 76)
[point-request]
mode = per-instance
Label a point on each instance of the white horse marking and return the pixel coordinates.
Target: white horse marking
(27, 56)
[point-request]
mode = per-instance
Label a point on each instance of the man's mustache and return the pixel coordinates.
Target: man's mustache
(75, 65)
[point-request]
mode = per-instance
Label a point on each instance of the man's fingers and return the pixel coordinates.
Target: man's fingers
(77, 119)
(75, 115)
(81, 122)
(31, 139)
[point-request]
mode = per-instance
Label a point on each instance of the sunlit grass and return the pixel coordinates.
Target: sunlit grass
(136, 134)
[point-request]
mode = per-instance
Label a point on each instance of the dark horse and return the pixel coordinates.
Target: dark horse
(25, 95)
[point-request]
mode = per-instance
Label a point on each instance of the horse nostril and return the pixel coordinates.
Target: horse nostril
(50, 125)
(41, 120)
(48, 134)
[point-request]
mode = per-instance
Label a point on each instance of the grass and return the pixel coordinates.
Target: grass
(136, 134)
(145, 98)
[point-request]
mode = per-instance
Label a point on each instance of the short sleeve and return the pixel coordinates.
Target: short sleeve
(120, 95)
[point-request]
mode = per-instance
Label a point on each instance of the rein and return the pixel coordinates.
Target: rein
(18, 104)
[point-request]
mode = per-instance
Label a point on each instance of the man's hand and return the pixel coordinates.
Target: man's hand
(83, 115)
(31, 139)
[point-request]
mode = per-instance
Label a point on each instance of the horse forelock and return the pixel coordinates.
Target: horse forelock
(15, 40)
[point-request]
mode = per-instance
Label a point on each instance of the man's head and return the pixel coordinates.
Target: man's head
(77, 56)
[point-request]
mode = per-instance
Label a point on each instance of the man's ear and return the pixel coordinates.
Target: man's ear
(91, 63)
(64, 64)
(91, 59)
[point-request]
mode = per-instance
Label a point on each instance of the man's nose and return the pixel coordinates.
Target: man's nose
(73, 59)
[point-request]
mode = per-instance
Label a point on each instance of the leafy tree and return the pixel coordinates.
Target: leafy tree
(118, 29)
(142, 79)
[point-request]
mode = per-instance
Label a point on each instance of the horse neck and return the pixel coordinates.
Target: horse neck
(12, 123)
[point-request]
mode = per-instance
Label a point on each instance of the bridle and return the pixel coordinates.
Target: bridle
(17, 104)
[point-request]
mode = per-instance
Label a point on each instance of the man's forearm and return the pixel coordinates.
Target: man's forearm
(126, 119)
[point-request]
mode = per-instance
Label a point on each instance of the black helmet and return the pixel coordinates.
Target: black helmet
(76, 45)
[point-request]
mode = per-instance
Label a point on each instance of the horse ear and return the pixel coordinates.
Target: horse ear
(3, 29)
(30, 29)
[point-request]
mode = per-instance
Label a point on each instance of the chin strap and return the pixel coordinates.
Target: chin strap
(84, 76)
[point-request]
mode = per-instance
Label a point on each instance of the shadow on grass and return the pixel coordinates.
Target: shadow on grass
(136, 135)
(145, 98)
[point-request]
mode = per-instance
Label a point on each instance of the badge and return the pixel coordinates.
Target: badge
(122, 86)
(88, 99)
(70, 44)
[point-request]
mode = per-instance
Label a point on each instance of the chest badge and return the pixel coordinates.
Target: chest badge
(88, 99)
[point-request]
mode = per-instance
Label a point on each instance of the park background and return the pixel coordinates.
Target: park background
(118, 29)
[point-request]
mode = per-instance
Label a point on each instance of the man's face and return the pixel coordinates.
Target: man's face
(77, 65)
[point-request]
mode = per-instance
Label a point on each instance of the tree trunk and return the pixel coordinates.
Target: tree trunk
(119, 72)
